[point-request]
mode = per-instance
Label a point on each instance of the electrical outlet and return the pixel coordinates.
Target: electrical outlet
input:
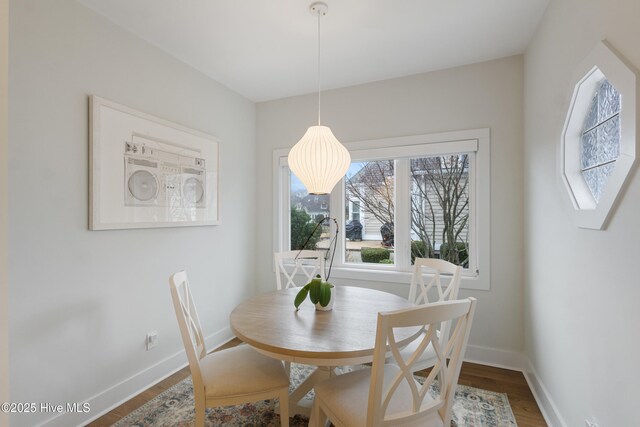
(590, 423)
(152, 340)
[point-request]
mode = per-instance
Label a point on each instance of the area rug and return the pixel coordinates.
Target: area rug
(473, 407)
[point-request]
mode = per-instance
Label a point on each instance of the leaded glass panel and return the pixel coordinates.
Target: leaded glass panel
(609, 140)
(608, 101)
(600, 145)
(592, 116)
(600, 139)
(588, 147)
(596, 179)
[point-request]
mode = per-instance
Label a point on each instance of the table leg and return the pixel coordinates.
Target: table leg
(298, 404)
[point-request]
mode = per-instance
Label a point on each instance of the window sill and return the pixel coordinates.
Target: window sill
(381, 274)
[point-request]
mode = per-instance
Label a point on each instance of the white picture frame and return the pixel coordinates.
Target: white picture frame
(147, 172)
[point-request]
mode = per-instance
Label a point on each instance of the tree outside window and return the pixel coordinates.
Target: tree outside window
(306, 211)
(439, 208)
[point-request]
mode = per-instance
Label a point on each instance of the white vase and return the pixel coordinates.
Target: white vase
(330, 305)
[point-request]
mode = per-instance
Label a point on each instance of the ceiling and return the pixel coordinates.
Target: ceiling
(267, 49)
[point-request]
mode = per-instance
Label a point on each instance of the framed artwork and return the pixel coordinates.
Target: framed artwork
(149, 172)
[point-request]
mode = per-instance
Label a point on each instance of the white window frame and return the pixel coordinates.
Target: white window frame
(601, 63)
(476, 142)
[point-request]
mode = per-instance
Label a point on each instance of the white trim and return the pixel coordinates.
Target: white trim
(475, 141)
(430, 138)
(402, 214)
(513, 360)
(280, 194)
(542, 396)
(397, 151)
(388, 274)
(128, 388)
(136, 384)
(601, 63)
(505, 359)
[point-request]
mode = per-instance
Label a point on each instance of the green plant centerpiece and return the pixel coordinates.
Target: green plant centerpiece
(319, 292)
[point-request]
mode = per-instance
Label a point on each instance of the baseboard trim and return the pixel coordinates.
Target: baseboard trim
(505, 359)
(111, 398)
(548, 408)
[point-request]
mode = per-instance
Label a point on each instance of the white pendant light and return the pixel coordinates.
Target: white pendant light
(318, 159)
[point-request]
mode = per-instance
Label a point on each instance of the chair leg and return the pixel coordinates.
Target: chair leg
(317, 417)
(201, 410)
(287, 367)
(284, 407)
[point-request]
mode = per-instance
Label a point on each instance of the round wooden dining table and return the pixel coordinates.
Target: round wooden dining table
(342, 336)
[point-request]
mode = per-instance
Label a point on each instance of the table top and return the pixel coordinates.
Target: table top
(344, 335)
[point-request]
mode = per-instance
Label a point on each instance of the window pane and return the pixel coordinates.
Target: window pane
(600, 140)
(588, 147)
(369, 209)
(609, 138)
(306, 210)
(608, 101)
(592, 116)
(440, 208)
(597, 177)
(601, 144)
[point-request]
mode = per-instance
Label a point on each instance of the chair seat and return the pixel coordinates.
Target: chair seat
(241, 371)
(347, 395)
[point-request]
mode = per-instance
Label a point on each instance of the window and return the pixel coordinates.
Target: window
(419, 196)
(305, 211)
(355, 210)
(440, 204)
(600, 139)
(369, 188)
(598, 144)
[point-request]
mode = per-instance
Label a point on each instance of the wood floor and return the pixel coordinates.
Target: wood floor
(499, 380)
(523, 404)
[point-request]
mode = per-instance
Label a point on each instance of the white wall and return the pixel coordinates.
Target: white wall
(81, 301)
(582, 287)
(4, 209)
(483, 95)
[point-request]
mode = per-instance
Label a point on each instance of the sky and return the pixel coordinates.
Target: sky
(296, 184)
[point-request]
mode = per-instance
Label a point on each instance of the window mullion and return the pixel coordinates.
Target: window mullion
(285, 206)
(402, 232)
(336, 209)
(473, 214)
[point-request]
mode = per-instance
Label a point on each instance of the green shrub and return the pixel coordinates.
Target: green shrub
(417, 250)
(375, 255)
(459, 256)
(386, 261)
(301, 228)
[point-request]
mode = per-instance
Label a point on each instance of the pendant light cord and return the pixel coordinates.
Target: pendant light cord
(319, 13)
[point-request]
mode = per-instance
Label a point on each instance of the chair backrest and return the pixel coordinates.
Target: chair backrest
(447, 367)
(419, 291)
(189, 323)
(308, 263)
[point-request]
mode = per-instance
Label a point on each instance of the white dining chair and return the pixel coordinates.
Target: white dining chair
(227, 377)
(389, 395)
(291, 263)
(427, 279)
